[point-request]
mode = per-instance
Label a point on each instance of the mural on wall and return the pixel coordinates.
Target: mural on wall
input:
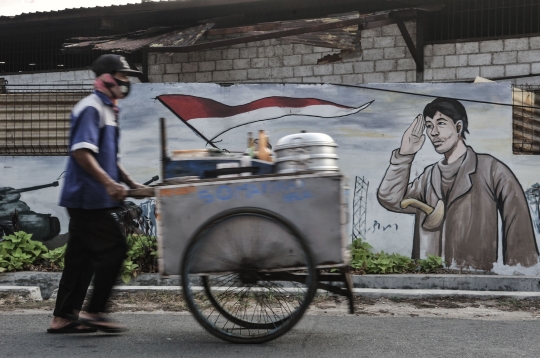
(16, 215)
(359, 213)
(456, 201)
(368, 123)
(188, 108)
(533, 197)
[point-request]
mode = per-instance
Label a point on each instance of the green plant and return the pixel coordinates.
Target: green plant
(430, 264)
(18, 251)
(366, 261)
(141, 256)
(56, 257)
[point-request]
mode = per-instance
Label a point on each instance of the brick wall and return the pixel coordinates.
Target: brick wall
(383, 57)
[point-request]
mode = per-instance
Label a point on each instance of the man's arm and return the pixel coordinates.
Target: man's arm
(126, 179)
(519, 242)
(86, 160)
(395, 185)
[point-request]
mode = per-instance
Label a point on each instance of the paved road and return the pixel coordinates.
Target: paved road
(168, 335)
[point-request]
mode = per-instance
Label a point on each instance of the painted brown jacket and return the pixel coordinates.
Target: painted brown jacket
(469, 234)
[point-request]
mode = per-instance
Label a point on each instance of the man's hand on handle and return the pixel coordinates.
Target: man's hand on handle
(116, 191)
(413, 138)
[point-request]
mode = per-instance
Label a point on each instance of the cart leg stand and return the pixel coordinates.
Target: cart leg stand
(344, 276)
(349, 287)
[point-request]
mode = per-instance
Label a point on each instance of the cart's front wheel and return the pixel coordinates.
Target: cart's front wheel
(248, 276)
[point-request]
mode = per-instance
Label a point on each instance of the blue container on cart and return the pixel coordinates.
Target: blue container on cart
(205, 167)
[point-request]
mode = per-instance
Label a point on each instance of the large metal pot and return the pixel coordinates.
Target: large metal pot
(306, 151)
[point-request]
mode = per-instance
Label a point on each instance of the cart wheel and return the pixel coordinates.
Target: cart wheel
(248, 276)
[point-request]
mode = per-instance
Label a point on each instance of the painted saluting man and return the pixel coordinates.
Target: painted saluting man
(473, 188)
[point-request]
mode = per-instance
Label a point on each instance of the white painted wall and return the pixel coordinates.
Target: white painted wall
(365, 140)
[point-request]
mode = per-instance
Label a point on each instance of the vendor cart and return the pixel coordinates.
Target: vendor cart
(252, 251)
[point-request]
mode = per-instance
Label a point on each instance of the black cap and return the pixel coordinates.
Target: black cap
(112, 63)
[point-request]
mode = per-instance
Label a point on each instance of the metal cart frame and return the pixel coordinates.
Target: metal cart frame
(251, 268)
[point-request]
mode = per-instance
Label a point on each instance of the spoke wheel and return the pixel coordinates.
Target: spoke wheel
(248, 276)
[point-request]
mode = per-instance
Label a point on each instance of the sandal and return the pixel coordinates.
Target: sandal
(72, 328)
(95, 324)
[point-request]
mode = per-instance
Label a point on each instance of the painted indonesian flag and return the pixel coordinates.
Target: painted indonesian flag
(190, 108)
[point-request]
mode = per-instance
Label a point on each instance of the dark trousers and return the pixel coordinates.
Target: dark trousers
(96, 247)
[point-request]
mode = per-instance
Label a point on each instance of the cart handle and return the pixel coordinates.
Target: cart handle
(141, 193)
(154, 178)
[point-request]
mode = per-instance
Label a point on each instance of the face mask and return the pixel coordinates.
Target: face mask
(124, 86)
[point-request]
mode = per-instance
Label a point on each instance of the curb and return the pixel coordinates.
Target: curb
(30, 292)
(370, 284)
(132, 289)
(34, 293)
(366, 292)
(422, 294)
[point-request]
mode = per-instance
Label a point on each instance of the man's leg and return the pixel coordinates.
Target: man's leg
(77, 273)
(108, 251)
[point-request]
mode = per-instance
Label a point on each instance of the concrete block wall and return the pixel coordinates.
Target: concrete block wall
(78, 77)
(489, 59)
(66, 77)
(383, 57)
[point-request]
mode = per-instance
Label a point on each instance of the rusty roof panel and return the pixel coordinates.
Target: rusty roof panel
(185, 37)
(338, 39)
(282, 25)
(155, 37)
(127, 45)
(344, 38)
(336, 31)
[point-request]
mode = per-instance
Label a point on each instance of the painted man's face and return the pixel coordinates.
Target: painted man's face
(443, 132)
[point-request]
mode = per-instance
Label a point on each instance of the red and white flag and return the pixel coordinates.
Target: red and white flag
(190, 108)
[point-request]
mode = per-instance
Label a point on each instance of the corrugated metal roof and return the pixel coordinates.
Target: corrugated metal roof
(131, 8)
(135, 4)
(196, 10)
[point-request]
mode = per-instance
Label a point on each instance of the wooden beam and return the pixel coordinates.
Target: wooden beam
(420, 28)
(270, 26)
(371, 25)
(144, 68)
(410, 44)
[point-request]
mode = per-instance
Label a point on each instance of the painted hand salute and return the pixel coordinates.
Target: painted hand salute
(413, 138)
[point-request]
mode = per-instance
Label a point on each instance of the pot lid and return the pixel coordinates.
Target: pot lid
(305, 139)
